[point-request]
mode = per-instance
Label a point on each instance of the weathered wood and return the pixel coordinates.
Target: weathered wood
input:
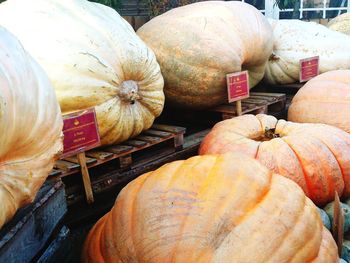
(125, 161)
(86, 178)
(135, 143)
(74, 159)
(168, 128)
(55, 172)
(100, 155)
(119, 149)
(66, 166)
(28, 232)
(161, 134)
(238, 108)
(149, 139)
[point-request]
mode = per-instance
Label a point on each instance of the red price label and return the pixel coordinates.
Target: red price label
(237, 86)
(80, 132)
(309, 68)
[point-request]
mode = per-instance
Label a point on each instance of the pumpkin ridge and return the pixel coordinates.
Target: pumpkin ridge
(307, 180)
(289, 230)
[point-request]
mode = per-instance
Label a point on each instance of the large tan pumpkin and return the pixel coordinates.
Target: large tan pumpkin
(211, 209)
(94, 59)
(30, 126)
(324, 99)
(315, 156)
(295, 40)
(340, 23)
(198, 44)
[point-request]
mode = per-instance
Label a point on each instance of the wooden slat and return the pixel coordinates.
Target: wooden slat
(74, 159)
(149, 139)
(168, 128)
(161, 134)
(100, 155)
(55, 172)
(136, 143)
(119, 149)
(66, 166)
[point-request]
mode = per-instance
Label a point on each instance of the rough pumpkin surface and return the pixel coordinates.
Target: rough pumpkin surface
(324, 99)
(295, 40)
(198, 44)
(340, 23)
(315, 156)
(93, 58)
(220, 209)
(30, 127)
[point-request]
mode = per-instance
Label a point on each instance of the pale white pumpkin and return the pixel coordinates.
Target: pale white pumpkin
(340, 23)
(94, 59)
(30, 126)
(295, 40)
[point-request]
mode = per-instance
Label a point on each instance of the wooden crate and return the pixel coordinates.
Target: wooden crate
(159, 133)
(59, 250)
(28, 232)
(258, 102)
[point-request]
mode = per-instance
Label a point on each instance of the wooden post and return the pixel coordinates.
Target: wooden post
(338, 223)
(86, 178)
(239, 107)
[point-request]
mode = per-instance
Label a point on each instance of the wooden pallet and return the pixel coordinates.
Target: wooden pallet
(258, 102)
(159, 133)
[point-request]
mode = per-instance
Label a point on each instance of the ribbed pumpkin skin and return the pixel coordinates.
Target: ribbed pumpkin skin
(324, 99)
(198, 44)
(94, 59)
(315, 156)
(30, 126)
(340, 23)
(216, 209)
(295, 40)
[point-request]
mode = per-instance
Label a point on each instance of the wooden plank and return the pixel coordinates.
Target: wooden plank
(100, 155)
(168, 128)
(55, 172)
(267, 94)
(161, 134)
(74, 159)
(66, 166)
(135, 143)
(119, 149)
(86, 178)
(125, 161)
(149, 139)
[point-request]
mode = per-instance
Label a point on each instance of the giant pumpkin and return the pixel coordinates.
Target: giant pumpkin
(340, 23)
(93, 59)
(30, 126)
(295, 40)
(316, 156)
(198, 44)
(324, 99)
(211, 209)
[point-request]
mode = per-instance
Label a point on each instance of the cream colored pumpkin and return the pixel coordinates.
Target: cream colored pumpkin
(295, 40)
(94, 59)
(198, 44)
(340, 23)
(30, 126)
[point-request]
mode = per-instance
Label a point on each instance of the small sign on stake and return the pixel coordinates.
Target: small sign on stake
(80, 132)
(309, 68)
(238, 88)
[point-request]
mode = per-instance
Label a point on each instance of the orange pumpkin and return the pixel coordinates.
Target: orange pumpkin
(324, 99)
(225, 208)
(316, 156)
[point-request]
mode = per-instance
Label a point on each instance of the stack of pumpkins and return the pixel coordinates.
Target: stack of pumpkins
(216, 207)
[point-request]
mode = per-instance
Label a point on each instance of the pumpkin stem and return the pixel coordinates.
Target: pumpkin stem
(270, 133)
(128, 91)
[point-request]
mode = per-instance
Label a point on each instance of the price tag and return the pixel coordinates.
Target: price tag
(237, 86)
(80, 132)
(309, 68)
